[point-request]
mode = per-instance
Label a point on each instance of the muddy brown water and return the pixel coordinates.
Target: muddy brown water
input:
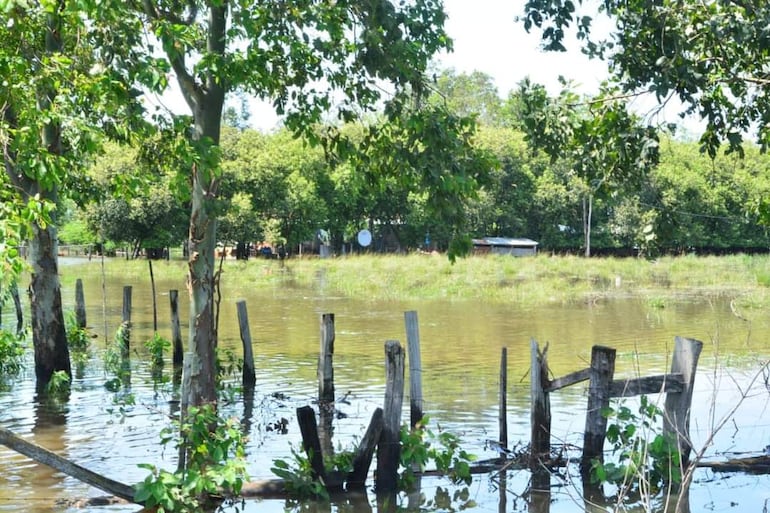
(111, 433)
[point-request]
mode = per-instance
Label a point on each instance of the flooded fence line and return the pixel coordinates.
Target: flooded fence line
(677, 385)
(383, 431)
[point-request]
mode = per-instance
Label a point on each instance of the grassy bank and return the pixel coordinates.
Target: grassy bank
(523, 281)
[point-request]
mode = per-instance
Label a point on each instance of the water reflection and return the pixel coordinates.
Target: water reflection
(101, 430)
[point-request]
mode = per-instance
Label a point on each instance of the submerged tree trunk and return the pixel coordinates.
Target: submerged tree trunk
(48, 330)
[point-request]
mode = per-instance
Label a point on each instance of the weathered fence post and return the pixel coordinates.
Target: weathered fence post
(389, 449)
(326, 384)
(540, 444)
(325, 360)
(415, 367)
(80, 304)
(601, 372)
(502, 417)
(249, 375)
(676, 418)
(154, 299)
(176, 333)
(365, 452)
(126, 325)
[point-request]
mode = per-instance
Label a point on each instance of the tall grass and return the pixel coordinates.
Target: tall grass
(529, 281)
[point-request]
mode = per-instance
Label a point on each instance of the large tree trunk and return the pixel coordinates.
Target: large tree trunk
(206, 103)
(48, 330)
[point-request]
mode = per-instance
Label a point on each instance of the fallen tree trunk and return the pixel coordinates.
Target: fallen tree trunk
(53, 460)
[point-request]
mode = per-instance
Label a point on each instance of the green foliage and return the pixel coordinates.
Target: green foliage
(420, 446)
(11, 353)
(59, 385)
(215, 467)
(156, 346)
(695, 51)
(299, 477)
(79, 339)
(643, 464)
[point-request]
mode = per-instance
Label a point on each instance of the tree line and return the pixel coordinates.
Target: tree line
(278, 190)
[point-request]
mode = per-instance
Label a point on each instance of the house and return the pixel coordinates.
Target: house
(505, 246)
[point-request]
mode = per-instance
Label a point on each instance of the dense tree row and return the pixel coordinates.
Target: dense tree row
(281, 191)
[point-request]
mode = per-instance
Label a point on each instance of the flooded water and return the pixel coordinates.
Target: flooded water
(111, 433)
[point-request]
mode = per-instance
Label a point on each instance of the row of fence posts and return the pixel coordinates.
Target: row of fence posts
(384, 428)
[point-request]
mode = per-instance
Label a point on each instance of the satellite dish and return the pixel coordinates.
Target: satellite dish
(364, 238)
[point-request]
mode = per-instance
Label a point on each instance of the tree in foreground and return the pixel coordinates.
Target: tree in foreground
(317, 62)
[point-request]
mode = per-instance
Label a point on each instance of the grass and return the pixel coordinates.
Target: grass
(528, 281)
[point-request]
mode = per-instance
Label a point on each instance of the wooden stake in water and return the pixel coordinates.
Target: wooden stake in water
(176, 333)
(326, 360)
(389, 450)
(249, 375)
(602, 370)
(415, 368)
(676, 418)
(540, 445)
(80, 304)
(503, 409)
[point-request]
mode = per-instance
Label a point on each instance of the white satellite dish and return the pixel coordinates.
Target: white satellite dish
(364, 238)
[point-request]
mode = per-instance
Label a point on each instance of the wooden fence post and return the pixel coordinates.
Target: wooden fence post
(80, 304)
(676, 418)
(389, 449)
(502, 416)
(176, 333)
(540, 445)
(326, 360)
(363, 458)
(415, 367)
(126, 325)
(601, 372)
(249, 375)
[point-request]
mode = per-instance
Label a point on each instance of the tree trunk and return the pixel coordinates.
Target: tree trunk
(587, 213)
(48, 332)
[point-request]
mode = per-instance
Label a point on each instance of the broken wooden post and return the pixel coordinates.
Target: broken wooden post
(389, 449)
(676, 417)
(540, 445)
(176, 333)
(363, 459)
(80, 304)
(125, 327)
(601, 372)
(502, 415)
(325, 360)
(415, 368)
(311, 443)
(53, 460)
(249, 375)
(154, 298)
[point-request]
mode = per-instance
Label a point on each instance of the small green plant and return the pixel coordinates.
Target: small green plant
(78, 338)
(642, 464)
(420, 446)
(298, 477)
(59, 384)
(115, 355)
(156, 346)
(11, 353)
(215, 464)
